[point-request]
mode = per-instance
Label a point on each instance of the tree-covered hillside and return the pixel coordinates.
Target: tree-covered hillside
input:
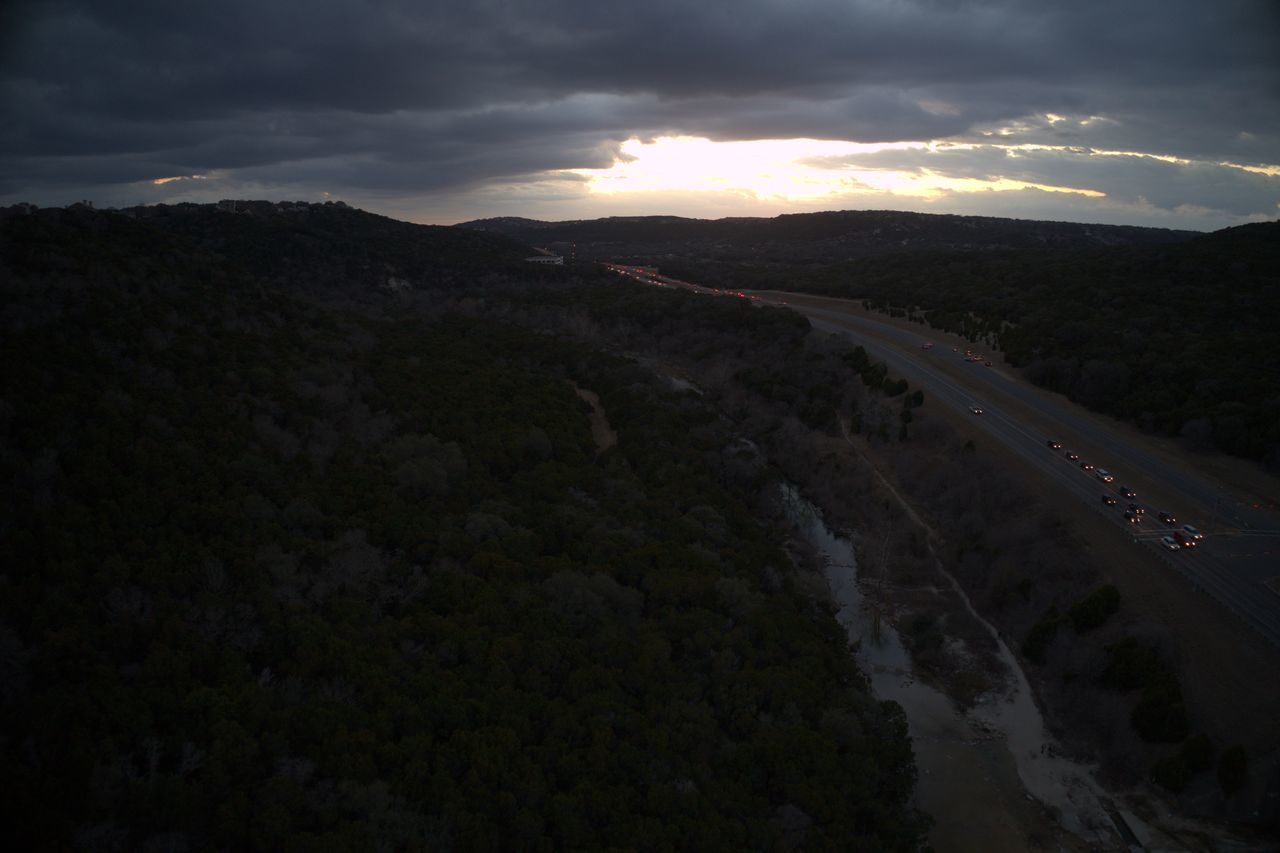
(282, 574)
(810, 238)
(330, 249)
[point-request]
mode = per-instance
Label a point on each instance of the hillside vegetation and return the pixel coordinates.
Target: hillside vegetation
(283, 573)
(810, 238)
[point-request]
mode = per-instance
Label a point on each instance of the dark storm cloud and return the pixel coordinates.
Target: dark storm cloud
(431, 95)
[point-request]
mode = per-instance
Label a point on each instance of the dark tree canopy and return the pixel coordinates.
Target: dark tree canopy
(283, 573)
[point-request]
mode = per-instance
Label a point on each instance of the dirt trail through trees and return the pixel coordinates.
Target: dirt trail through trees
(604, 435)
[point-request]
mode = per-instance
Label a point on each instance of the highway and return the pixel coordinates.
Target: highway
(1241, 549)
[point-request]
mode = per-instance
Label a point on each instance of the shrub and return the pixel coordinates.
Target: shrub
(926, 637)
(1094, 609)
(1198, 753)
(1040, 636)
(1233, 769)
(1132, 665)
(1171, 773)
(1160, 715)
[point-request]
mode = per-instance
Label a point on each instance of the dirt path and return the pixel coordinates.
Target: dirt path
(603, 435)
(884, 481)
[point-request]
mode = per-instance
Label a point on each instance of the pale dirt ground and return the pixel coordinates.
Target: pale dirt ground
(603, 434)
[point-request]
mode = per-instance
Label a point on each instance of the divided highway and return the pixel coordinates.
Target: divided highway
(1231, 569)
(1241, 551)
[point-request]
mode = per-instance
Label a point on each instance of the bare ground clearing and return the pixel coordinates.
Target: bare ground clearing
(603, 434)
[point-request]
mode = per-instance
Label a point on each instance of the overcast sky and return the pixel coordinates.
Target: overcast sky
(1155, 113)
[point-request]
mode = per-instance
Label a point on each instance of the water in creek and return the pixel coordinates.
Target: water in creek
(986, 776)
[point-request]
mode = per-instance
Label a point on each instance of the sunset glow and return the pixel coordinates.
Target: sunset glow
(786, 170)
(162, 181)
(775, 168)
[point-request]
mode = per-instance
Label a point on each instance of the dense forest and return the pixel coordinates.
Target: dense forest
(331, 251)
(310, 549)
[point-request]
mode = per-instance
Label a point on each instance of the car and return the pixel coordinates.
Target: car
(1074, 457)
(1109, 500)
(1131, 517)
(1167, 541)
(976, 409)
(1126, 492)
(1086, 466)
(1184, 541)
(988, 364)
(1191, 533)
(1137, 510)
(1054, 445)
(1104, 475)
(1166, 517)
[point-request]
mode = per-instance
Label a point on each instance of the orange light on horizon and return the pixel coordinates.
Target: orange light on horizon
(792, 170)
(161, 181)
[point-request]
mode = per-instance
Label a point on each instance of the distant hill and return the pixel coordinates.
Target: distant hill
(327, 246)
(325, 249)
(813, 237)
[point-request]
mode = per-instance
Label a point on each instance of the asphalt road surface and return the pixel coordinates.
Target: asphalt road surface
(1235, 561)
